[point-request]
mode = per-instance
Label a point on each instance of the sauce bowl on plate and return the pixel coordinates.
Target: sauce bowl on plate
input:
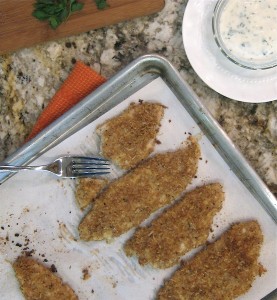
(246, 32)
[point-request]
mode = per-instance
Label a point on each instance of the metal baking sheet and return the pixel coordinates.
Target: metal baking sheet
(44, 210)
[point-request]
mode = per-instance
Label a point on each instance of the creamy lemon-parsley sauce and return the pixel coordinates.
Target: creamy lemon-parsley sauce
(248, 29)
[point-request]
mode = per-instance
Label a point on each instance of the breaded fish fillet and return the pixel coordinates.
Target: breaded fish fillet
(39, 283)
(130, 137)
(87, 190)
(224, 271)
(184, 226)
(132, 198)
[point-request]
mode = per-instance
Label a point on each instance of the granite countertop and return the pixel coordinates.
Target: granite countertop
(30, 77)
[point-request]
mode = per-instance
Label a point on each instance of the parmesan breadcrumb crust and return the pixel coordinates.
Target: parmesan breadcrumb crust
(39, 283)
(129, 200)
(130, 137)
(184, 226)
(87, 190)
(224, 271)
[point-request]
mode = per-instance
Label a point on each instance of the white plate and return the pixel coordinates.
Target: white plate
(43, 209)
(214, 68)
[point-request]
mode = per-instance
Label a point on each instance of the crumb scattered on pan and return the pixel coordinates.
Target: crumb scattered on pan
(87, 190)
(132, 198)
(130, 137)
(158, 142)
(224, 270)
(38, 282)
(179, 229)
(29, 253)
(53, 268)
(86, 274)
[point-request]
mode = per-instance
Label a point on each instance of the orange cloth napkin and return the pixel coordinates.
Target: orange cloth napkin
(80, 82)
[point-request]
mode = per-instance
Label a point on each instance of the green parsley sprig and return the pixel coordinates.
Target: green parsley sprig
(55, 11)
(101, 4)
(58, 11)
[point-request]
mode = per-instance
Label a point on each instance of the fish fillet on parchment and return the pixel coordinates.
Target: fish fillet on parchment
(182, 227)
(223, 271)
(130, 137)
(131, 199)
(39, 283)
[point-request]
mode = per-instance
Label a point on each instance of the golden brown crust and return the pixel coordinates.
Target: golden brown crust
(184, 226)
(87, 190)
(130, 137)
(132, 198)
(223, 271)
(39, 283)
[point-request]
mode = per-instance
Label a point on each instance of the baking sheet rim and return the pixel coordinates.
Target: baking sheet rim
(146, 69)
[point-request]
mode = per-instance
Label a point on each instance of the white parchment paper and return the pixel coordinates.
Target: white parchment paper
(38, 213)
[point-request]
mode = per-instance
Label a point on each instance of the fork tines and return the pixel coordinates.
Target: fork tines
(90, 166)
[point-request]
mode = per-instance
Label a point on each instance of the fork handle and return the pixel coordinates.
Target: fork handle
(18, 168)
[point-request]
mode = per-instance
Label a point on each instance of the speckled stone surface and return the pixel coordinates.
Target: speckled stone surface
(30, 77)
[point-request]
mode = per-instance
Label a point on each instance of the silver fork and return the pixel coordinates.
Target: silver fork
(69, 167)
